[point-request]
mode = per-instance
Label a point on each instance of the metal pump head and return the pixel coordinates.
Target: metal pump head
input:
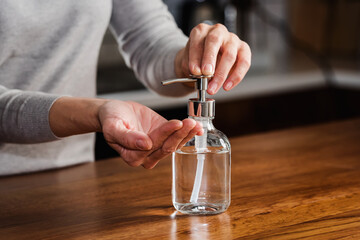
(201, 106)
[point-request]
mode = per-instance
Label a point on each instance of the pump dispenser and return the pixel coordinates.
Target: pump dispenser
(201, 168)
(201, 106)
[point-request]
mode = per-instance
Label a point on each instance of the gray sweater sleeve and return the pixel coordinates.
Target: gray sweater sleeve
(149, 39)
(24, 116)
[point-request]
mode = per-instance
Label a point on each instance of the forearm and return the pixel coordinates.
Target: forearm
(149, 41)
(70, 116)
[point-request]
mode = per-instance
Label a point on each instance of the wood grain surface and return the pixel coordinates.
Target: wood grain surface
(290, 184)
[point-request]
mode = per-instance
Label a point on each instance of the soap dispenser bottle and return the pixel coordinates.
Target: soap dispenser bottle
(201, 169)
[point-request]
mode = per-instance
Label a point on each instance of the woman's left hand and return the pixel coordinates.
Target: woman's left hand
(212, 49)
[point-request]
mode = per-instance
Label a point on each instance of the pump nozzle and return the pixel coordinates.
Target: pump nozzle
(200, 80)
(201, 106)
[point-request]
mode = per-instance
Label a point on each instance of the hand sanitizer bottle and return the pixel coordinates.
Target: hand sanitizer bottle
(201, 169)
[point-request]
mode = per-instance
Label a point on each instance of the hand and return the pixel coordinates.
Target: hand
(140, 135)
(137, 133)
(214, 50)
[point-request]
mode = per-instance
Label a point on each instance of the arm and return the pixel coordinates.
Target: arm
(152, 45)
(149, 40)
(137, 133)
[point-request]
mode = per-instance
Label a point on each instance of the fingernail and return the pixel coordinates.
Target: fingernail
(228, 85)
(213, 88)
(201, 132)
(208, 69)
(141, 144)
(193, 122)
(196, 70)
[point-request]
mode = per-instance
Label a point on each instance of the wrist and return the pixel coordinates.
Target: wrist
(94, 106)
(70, 116)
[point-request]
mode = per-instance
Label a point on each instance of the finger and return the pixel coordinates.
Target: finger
(241, 67)
(213, 42)
(188, 138)
(171, 143)
(160, 134)
(118, 133)
(157, 136)
(196, 47)
(197, 130)
(227, 61)
(217, 63)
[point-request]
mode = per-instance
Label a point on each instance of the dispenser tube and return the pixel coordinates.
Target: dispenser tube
(200, 146)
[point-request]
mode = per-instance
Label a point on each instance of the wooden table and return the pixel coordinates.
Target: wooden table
(296, 183)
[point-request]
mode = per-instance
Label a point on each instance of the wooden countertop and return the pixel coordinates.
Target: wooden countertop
(296, 183)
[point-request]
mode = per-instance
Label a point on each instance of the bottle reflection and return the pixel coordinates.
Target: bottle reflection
(200, 227)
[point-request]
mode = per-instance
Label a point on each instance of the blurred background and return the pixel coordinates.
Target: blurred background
(305, 65)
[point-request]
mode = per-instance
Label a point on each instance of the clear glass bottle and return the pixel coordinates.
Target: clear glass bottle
(201, 168)
(202, 172)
